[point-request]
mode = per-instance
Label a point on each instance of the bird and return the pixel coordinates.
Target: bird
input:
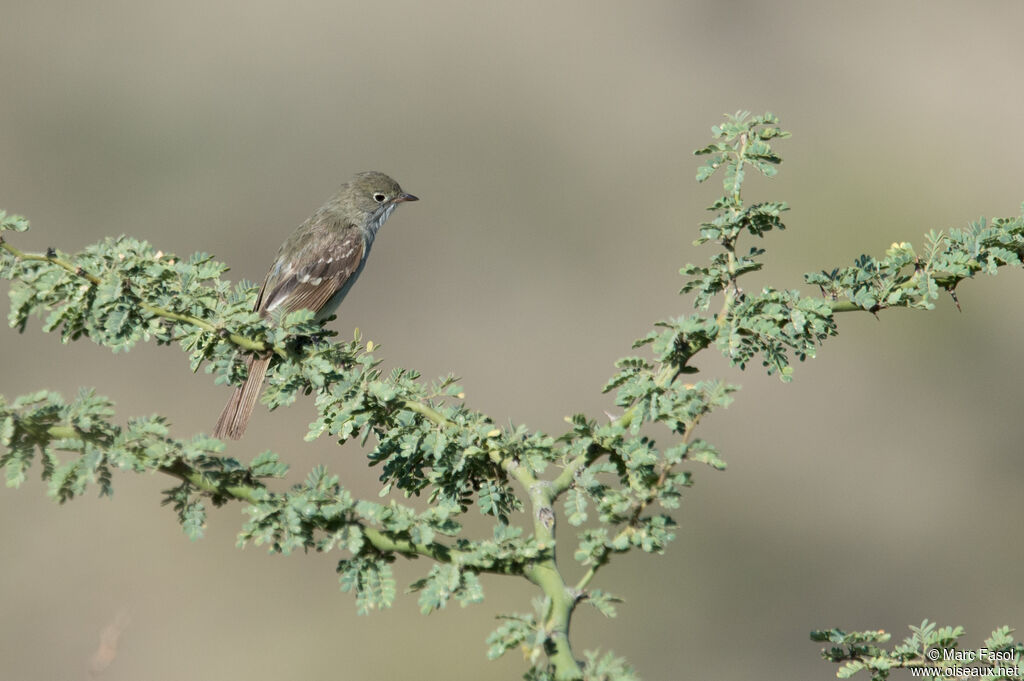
(315, 269)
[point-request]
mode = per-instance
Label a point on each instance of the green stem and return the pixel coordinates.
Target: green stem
(186, 473)
(544, 572)
(426, 412)
(561, 603)
(845, 306)
(588, 576)
(565, 479)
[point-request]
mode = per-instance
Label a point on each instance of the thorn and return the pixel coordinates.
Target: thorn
(956, 301)
(78, 270)
(51, 252)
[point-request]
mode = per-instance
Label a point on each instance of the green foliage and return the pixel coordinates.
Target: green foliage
(604, 602)
(445, 582)
(771, 324)
(904, 279)
(515, 631)
(609, 477)
(928, 651)
(12, 223)
(607, 667)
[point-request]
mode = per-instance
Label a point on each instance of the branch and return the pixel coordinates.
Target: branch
(51, 257)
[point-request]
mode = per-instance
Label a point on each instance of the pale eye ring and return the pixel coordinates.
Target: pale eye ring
(379, 198)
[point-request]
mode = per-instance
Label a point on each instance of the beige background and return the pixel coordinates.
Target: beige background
(551, 145)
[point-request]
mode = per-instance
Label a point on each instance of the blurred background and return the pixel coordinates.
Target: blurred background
(551, 145)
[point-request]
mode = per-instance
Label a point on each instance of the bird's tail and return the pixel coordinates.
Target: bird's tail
(235, 417)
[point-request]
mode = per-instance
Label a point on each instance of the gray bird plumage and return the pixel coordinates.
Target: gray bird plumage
(315, 269)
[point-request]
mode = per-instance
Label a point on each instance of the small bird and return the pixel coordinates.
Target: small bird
(315, 269)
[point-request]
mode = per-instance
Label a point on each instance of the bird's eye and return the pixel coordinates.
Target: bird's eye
(379, 198)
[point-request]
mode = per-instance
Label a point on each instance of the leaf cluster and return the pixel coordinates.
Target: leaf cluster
(934, 650)
(905, 279)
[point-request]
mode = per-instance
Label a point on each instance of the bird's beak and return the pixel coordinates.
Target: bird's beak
(405, 197)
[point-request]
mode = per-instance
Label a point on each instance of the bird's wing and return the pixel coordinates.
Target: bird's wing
(320, 269)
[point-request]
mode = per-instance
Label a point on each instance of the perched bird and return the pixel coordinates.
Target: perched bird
(315, 269)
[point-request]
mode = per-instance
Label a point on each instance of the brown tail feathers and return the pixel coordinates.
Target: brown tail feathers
(235, 417)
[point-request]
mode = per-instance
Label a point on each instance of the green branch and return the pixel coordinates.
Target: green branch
(237, 339)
